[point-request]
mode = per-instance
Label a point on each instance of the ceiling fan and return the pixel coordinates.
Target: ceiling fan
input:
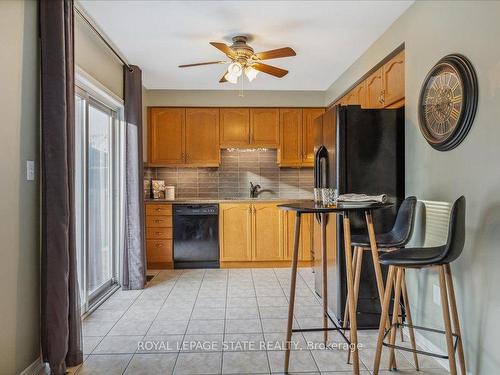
(243, 59)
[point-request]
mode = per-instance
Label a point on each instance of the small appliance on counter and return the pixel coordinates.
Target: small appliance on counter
(156, 189)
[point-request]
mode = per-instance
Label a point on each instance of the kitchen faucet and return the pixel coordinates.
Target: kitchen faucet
(254, 190)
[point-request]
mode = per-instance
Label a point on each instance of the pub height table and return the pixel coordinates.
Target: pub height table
(344, 209)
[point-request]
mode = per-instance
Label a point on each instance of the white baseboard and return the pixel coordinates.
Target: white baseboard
(36, 368)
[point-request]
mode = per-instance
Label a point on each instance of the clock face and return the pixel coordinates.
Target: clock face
(442, 102)
(448, 101)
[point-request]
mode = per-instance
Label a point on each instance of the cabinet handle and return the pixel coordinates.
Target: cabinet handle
(159, 245)
(158, 221)
(157, 233)
(249, 210)
(158, 209)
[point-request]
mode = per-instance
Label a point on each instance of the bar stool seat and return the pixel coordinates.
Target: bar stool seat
(413, 257)
(439, 257)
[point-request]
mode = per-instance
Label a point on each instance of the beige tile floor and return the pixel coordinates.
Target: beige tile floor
(218, 322)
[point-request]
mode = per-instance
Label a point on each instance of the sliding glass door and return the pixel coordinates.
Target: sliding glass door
(97, 179)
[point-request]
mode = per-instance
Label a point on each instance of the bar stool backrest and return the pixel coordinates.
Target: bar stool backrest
(405, 219)
(456, 232)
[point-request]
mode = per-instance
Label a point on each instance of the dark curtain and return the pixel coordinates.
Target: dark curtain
(134, 254)
(60, 318)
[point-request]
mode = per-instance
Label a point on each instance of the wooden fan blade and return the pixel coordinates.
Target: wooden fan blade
(224, 48)
(204, 63)
(269, 69)
(275, 53)
(223, 78)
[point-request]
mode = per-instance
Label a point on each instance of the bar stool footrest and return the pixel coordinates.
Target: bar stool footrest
(422, 352)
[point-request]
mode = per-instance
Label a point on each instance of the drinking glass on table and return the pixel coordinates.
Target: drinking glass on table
(329, 196)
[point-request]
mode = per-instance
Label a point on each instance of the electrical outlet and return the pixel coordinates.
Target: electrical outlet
(30, 170)
(436, 295)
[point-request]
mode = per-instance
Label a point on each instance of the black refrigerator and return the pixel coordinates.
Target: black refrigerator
(358, 151)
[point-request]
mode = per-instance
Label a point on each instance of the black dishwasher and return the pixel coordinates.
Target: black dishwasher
(196, 236)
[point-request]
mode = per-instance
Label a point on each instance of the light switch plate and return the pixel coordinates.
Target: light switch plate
(30, 170)
(436, 295)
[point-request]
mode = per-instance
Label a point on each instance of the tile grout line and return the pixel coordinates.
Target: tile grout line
(260, 320)
(156, 316)
(224, 329)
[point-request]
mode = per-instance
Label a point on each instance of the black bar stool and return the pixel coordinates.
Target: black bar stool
(439, 257)
(395, 239)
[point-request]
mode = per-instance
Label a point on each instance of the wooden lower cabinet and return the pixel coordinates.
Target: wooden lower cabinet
(159, 236)
(260, 232)
(305, 245)
(235, 232)
(266, 232)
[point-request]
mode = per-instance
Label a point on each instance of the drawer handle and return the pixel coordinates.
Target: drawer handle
(159, 245)
(158, 209)
(157, 233)
(158, 221)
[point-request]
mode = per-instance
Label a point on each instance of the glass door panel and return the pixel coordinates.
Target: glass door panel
(99, 177)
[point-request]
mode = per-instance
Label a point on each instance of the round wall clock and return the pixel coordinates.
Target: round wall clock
(448, 102)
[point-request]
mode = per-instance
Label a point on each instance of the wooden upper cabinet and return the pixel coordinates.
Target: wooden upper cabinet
(166, 135)
(290, 153)
(308, 134)
(374, 87)
(234, 127)
(266, 232)
(394, 79)
(264, 127)
(202, 136)
(235, 224)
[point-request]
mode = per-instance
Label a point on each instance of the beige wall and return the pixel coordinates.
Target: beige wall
(19, 203)
(231, 98)
(431, 30)
(92, 55)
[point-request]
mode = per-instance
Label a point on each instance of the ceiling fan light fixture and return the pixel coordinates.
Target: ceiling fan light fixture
(235, 69)
(231, 78)
(251, 73)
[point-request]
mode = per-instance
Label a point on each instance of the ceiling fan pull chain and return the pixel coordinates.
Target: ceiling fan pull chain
(241, 95)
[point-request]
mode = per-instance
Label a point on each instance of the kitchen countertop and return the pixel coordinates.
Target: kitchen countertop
(224, 200)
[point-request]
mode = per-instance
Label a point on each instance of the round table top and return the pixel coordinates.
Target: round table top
(312, 208)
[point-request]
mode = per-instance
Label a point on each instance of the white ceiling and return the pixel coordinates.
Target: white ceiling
(328, 37)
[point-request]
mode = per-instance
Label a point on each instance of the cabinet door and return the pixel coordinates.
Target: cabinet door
(264, 127)
(374, 87)
(290, 152)
(361, 94)
(331, 238)
(309, 115)
(306, 232)
(394, 79)
(266, 232)
(166, 135)
(235, 232)
(234, 127)
(202, 137)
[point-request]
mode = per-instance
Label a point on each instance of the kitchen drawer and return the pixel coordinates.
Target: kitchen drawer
(158, 221)
(158, 209)
(159, 233)
(159, 250)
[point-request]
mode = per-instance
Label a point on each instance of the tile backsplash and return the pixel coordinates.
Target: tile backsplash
(232, 178)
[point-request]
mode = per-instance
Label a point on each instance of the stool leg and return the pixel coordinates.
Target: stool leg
(406, 303)
(376, 266)
(383, 318)
(346, 310)
(324, 264)
(447, 323)
(293, 282)
(456, 322)
(357, 263)
(395, 317)
(350, 286)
